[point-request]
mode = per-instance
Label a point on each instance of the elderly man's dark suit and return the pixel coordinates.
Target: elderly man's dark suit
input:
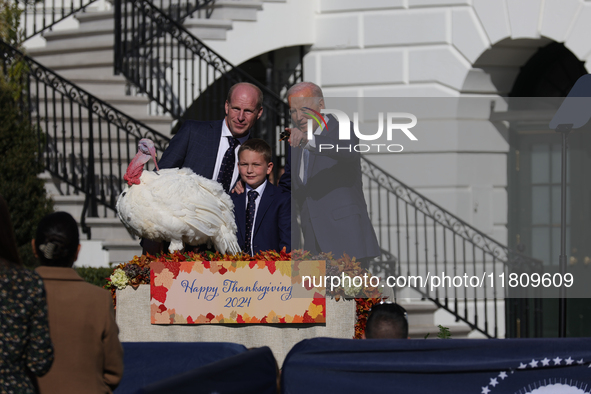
(195, 146)
(333, 210)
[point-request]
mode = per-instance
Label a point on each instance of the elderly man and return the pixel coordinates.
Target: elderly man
(327, 185)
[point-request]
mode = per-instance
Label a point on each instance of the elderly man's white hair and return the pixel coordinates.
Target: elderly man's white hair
(315, 89)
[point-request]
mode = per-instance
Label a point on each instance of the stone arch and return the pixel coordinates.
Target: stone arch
(508, 32)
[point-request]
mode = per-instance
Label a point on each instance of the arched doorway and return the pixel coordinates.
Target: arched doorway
(533, 174)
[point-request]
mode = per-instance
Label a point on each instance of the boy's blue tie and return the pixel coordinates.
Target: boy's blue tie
(252, 196)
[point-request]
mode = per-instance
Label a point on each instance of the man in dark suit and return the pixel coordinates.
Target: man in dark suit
(326, 185)
(203, 146)
(263, 212)
(209, 148)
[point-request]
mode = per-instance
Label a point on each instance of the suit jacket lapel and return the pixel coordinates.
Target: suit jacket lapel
(240, 214)
(296, 161)
(264, 205)
(212, 146)
(332, 124)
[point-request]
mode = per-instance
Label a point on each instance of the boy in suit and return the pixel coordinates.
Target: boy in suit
(263, 212)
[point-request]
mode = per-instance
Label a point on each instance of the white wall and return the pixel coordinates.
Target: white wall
(443, 48)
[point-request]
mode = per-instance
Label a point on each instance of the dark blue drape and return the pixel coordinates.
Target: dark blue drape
(252, 372)
(324, 365)
(149, 362)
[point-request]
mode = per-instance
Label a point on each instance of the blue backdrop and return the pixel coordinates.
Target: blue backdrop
(149, 362)
(324, 365)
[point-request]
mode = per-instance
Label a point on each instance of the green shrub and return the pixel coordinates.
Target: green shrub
(23, 191)
(96, 276)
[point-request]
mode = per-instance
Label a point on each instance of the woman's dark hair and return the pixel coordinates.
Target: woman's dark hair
(8, 246)
(57, 239)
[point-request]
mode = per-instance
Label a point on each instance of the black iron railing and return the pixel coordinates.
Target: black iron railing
(179, 10)
(425, 238)
(86, 143)
(180, 73)
(38, 16)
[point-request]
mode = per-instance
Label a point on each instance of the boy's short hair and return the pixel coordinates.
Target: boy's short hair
(387, 320)
(259, 146)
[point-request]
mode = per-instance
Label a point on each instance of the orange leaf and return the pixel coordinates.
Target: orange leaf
(186, 266)
(297, 319)
(231, 268)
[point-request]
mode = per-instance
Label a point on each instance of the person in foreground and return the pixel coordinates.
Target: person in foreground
(386, 321)
(88, 354)
(25, 346)
(263, 213)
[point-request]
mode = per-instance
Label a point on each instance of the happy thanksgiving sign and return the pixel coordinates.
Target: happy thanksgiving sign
(210, 292)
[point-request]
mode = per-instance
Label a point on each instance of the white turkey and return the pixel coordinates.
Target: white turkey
(176, 205)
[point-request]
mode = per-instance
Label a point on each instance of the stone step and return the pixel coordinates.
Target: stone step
(159, 123)
(109, 236)
(102, 86)
(233, 10)
(108, 229)
(92, 254)
(122, 251)
(96, 19)
(421, 321)
(418, 332)
(52, 185)
(208, 29)
(100, 71)
(73, 204)
(78, 60)
(132, 106)
(120, 146)
(422, 313)
(66, 198)
(109, 171)
(69, 41)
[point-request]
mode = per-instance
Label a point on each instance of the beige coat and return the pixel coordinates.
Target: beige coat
(88, 354)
